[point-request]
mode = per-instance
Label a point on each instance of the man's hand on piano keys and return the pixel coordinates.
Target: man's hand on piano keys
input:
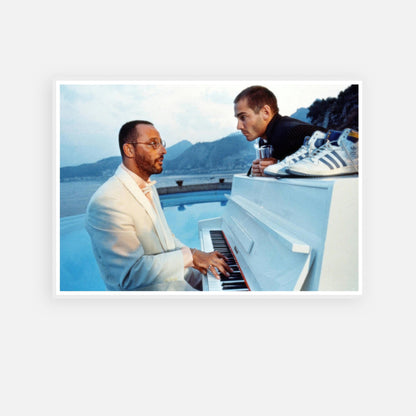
(214, 262)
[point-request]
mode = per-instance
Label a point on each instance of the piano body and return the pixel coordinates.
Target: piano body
(291, 234)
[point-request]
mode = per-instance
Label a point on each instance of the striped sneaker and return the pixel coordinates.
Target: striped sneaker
(338, 156)
(310, 144)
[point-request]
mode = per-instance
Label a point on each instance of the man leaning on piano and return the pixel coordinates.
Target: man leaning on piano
(258, 116)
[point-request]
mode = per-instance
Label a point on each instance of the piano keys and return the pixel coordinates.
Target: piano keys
(292, 234)
(236, 280)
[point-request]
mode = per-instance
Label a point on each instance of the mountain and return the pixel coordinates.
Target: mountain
(177, 149)
(232, 153)
(302, 114)
(102, 169)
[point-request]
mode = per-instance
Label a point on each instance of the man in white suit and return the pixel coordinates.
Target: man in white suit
(132, 242)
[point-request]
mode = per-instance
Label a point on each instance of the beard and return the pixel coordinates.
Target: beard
(150, 166)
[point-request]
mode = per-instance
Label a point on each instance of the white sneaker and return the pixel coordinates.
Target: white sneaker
(338, 156)
(310, 144)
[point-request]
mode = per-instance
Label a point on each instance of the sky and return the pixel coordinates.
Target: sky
(90, 113)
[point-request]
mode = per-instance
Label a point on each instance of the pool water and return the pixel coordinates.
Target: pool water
(78, 268)
(183, 211)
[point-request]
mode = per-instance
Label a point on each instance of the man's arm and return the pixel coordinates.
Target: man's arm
(120, 254)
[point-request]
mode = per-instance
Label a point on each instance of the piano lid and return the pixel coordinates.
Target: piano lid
(293, 234)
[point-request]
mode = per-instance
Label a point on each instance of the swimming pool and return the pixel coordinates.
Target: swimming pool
(78, 268)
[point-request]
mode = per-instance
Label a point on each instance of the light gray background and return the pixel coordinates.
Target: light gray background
(209, 356)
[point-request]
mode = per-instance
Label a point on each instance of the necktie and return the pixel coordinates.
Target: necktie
(147, 190)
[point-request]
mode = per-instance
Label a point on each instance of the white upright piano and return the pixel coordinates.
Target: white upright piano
(291, 234)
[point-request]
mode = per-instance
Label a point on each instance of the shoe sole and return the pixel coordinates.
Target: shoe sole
(348, 170)
(277, 174)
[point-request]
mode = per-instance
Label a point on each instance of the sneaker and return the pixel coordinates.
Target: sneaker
(338, 156)
(310, 144)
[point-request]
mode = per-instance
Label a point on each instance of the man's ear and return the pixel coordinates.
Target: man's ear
(128, 150)
(266, 112)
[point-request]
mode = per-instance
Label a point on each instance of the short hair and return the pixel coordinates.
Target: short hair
(257, 97)
(128, 132)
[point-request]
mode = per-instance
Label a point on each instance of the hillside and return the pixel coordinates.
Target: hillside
(302, 114)
(230, 154)
(337, 113)
(102, 169)
(177, 149)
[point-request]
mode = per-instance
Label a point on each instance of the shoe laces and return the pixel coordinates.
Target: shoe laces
(320, 151)
(288, 160)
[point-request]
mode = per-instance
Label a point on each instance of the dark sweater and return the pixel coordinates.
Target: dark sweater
(286, 135)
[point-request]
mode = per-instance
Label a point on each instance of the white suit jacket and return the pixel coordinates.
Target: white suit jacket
(134, 248)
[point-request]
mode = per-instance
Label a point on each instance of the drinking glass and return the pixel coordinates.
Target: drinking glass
(265, 152)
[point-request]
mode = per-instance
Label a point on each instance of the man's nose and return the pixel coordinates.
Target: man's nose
(239, 125)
